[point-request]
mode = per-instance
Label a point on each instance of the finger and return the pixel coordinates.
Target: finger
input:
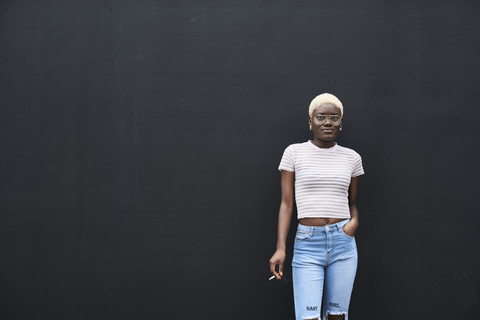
(273, 271)
(278, 274)
(272, 267)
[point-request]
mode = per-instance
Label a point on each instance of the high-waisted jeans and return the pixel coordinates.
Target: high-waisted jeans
(323, 267)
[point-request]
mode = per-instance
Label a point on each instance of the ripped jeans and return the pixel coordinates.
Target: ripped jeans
(323, 269)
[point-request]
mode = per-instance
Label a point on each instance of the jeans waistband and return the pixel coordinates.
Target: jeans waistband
(334, 226)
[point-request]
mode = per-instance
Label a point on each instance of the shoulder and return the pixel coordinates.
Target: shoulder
(298, 147)
(355, 159)
(347, 151)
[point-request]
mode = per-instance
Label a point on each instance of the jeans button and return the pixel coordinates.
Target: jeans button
(327, 228)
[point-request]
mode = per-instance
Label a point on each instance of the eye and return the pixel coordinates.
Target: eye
(320, 117)
(335, 118)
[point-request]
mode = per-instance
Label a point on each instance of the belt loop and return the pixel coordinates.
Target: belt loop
(341, 224)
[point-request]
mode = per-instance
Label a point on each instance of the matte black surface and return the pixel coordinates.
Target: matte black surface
(140, 142)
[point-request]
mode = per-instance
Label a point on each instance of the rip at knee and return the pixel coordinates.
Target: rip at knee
(335, 316)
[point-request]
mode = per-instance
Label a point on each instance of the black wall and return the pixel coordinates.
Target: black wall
(140, 142)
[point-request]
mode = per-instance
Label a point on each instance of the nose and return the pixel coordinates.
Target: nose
(327, 121)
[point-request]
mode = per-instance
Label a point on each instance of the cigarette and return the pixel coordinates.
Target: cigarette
(271, 278)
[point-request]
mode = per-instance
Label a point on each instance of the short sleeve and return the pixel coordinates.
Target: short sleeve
(288, 161)
(357, 166)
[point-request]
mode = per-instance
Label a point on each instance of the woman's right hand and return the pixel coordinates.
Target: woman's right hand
(278, 258)
(284, 219)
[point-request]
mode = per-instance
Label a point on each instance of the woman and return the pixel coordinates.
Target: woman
(325, 178)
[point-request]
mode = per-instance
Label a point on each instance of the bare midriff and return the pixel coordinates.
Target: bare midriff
(319, 222)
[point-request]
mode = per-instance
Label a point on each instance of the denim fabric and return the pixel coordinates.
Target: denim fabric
(323, 267)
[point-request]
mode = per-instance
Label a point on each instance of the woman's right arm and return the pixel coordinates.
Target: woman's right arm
(284, 219)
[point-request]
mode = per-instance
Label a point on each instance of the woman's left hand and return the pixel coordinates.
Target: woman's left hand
(350, 228)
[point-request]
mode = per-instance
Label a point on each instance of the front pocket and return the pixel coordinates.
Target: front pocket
(346, 235)
(302, 236)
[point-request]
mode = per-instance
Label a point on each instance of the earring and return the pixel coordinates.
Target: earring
(310, 127)
(340, 128)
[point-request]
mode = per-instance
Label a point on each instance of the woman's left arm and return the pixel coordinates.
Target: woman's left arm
(352, 226)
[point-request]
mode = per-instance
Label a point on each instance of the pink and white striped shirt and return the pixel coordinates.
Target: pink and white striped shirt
(322, 178)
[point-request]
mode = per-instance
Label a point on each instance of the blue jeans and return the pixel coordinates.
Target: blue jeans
(323, 267)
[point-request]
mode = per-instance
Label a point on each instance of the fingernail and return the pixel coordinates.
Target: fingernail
(281, 273)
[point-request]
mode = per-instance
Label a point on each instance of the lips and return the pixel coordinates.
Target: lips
(328, 130)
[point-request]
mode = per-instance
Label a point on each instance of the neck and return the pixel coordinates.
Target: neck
(323, 144)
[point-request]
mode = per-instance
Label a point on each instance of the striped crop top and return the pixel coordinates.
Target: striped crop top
(322, 178)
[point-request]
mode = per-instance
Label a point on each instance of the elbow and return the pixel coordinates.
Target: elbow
(287, 205)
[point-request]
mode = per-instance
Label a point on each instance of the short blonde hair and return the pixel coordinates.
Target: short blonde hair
(325, 98)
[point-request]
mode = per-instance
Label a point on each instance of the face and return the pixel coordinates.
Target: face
(326, 129)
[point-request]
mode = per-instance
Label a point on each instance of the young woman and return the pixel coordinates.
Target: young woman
(324, 178)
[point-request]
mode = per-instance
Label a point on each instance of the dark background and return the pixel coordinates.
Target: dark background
(140, 142)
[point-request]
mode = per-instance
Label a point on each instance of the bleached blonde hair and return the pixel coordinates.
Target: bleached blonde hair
(325, 98)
